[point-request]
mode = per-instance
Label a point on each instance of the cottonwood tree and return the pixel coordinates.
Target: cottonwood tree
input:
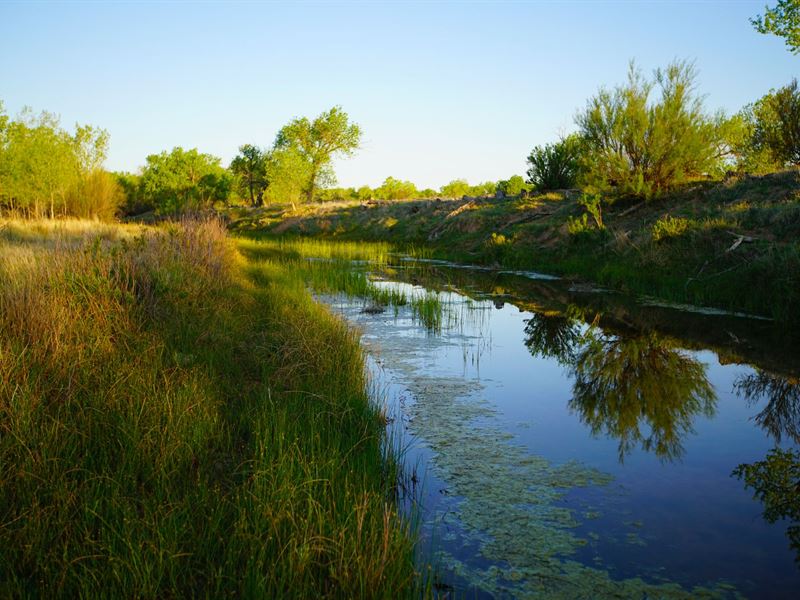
(288, 173)
(183, 180)
(776, 124)
(782, 20)
(318, 142)
(250, 167)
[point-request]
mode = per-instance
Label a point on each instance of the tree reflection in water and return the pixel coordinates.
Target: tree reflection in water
(553, 336)
(781, 415)
(642, 389)
(775, 481)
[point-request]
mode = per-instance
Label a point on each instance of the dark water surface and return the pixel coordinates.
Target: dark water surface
(567, 442)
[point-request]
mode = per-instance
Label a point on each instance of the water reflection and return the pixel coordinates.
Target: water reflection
(553, 336)
(640, 389)
(781, 415)
(776, 482)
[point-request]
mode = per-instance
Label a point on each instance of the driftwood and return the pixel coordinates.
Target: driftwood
(630, 209)
(740, 239)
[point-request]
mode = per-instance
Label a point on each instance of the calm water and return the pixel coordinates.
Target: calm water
(571, 443)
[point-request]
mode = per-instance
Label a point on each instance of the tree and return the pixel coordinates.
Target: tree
(633, 145)
(395, 189)
(250, 168)
(776, 124)
(184, 180)
(40, 164)
(553, 166)
(287, 172)
(455, 189)
(511, 187)
(317, 142)
(783, 20)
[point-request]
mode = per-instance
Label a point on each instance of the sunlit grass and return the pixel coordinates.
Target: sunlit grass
(175, 421)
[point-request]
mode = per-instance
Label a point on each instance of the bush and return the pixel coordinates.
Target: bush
(637, 146)
(554, 166)
(667, 227)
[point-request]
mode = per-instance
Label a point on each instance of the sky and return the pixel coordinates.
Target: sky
(441, 90)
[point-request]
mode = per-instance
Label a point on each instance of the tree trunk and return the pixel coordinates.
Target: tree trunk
(311, 186)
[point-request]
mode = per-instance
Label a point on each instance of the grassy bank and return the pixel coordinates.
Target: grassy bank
(733, 245)
(176, 421)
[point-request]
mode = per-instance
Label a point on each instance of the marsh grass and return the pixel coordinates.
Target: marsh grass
(330, 267)
(175, 421)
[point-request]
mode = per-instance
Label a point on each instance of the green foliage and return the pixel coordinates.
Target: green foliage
(776, 124)
(45, 170)
(634, 145)
(184, 180)
(395, 189)
(668, 226)
(365, 193)
(511, 187)
(288, 174)
(554, 166)
(250, 169)
(782, 20)
(593, 205)
(775, 481)
(317, 142)
(458, 188)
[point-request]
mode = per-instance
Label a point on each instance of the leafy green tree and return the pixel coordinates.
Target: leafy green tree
(776, 124)
(553, 166)
(395, 189)
(455, 189)
(365, 193)
(288, 172)
(783, 20)
(183, 180)
(317, 142)
(250, 168)
(511, 187)
(482, 190)
(634, 145)
(40, 164)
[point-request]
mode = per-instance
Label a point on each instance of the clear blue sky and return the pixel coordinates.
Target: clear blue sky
(441, 90)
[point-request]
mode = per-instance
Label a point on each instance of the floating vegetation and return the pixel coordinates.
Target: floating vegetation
(500, 525)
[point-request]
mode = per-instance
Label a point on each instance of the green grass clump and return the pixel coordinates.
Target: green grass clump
(668, 227)
(174, 423)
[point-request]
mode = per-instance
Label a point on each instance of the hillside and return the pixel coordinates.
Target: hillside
(732, 244)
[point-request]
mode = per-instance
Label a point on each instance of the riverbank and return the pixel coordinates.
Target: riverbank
(178, 421)
(733, 245)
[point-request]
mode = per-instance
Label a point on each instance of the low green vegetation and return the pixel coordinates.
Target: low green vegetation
(730, 245)
(177, 421)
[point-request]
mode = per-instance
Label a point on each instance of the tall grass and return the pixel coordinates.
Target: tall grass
(172, 427)
(331, 267)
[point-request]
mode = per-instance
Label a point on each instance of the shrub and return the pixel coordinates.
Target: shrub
(667, 227)
(634, 145)
(554, 166)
